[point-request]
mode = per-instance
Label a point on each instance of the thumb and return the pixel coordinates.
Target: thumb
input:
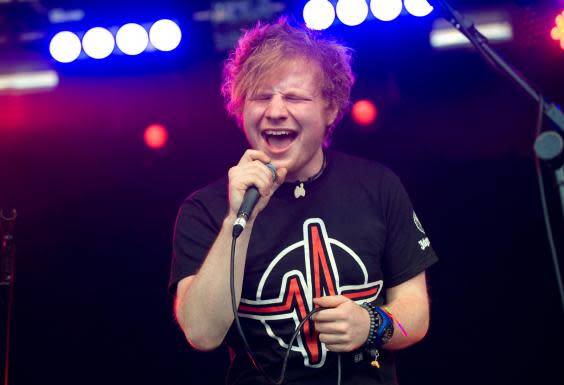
(330, 301)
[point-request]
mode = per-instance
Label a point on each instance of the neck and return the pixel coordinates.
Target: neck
(317, 166)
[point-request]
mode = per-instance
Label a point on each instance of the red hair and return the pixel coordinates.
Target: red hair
(261, 50)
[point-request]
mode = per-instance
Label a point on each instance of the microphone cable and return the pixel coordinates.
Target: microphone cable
(250, 353)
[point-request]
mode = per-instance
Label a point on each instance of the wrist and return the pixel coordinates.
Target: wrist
(381, 327)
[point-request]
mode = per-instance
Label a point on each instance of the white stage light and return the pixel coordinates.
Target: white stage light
(37, 80)
(98, 43)
(418, 8)
(132, 39)
(165, 35)
(65, 47)
(319, 14)
(352, 12)
(451, 37)
(386, 10)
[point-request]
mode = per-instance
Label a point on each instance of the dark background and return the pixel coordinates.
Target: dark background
(96, 208)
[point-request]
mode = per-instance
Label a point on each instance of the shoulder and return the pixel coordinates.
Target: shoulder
(368, 171)
(210, 199)
(215, 190)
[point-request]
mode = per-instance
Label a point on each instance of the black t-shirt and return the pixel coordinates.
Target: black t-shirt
(354, 233)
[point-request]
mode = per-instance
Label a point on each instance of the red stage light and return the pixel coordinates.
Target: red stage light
(156, 136)
(364, 112)
(557, 32)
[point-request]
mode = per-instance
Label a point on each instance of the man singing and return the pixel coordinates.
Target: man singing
(330, 231)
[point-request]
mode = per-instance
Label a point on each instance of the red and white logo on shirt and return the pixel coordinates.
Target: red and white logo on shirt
(298, 288)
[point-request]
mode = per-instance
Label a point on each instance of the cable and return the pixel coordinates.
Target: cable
(252, 357)
(544, 204)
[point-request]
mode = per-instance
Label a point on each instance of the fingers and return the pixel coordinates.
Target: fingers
(252, 171)
(329, 315)
(333, 339)
(343, 327)
(337, 342)
(251, 155)
(331, 327)
(331, 301)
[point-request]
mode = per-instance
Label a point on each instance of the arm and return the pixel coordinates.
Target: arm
(344, 325)
(203, 301)
(409, 304)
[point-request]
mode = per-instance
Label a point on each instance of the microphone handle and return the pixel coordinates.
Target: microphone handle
(250, 200)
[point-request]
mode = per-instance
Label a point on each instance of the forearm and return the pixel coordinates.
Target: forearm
(412, 313)
(204, 312)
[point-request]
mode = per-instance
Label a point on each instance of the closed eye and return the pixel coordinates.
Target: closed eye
(261, 97)
(297, 98)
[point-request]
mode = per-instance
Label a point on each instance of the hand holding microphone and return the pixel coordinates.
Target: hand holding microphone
(256, 177)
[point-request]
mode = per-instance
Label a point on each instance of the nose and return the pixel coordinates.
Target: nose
(276, 109)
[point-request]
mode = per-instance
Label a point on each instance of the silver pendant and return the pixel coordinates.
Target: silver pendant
(299, 191)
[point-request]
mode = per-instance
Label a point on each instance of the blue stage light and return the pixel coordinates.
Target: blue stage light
(386, 10)
(319, 14)
(65, 47)
(418, 8)
(352, 12)
(165, 35)
(98, 43)
(132, 39)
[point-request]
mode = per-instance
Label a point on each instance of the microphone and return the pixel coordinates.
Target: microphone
(250, 200)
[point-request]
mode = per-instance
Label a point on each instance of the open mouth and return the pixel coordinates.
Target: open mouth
(279, 139)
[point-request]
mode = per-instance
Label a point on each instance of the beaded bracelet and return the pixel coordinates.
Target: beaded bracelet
(374, 325)
(381, 327)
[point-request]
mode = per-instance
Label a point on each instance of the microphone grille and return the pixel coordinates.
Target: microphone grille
(272, 168)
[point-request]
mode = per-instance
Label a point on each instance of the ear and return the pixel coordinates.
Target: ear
(331, 114)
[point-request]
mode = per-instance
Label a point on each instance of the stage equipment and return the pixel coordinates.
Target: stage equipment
(155, 136)
(548, 145)
(557, 32)
(7, 273)
(418, 8)
(364, 112)
(165, 35)
(32, 80)
(65, 47)
(319, 14)
(352, 12)
(132, 39)
(386, 10)
(98, 43)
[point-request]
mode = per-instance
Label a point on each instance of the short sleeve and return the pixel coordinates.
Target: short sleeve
(408, 250)
(195, 231)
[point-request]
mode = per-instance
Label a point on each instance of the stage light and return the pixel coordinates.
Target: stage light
(319, 14)
(352, 12)
(36, 80)
(386, 10)
(557, 32)
(155, 136)
(132, 39)
(418, 8)
(165, 35)
(98, 43)
(445, 36)
(65, 47)
(364, 112)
